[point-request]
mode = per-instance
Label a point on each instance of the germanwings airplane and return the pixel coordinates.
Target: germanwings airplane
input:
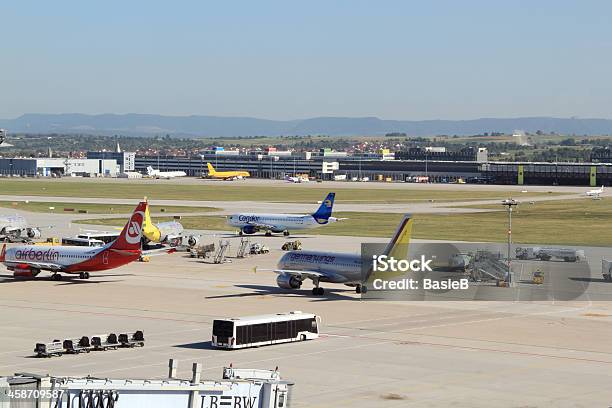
(335, 267)
(250, 223)
(29, 260)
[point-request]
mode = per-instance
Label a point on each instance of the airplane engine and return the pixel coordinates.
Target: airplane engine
(193, 240)
(33, 233)
(249, 229)
(25, 271)
(287, 281)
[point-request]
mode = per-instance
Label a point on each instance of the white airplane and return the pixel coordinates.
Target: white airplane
(334, 267)
(14, 228)
(151, 172)
(291, 179)
(595, 193)
(250, 223)
(29, 260)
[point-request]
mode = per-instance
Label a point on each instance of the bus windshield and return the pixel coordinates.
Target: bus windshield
(223, 328)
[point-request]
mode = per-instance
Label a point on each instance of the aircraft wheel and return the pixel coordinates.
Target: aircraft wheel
(318, 291)
(57, 276)
(268, 234)
(240, 233)
(86, 275)
(286, 233)
(358, 289)
(82, 275)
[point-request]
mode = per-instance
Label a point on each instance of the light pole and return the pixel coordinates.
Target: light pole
(509, 203)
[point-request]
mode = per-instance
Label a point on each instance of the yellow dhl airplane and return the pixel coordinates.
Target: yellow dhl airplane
(226, 175)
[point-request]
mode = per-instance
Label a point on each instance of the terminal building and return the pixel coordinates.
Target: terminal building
(411, 165)
(58, 167)
(415, 164)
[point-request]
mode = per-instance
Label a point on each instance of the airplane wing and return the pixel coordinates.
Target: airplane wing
(47, 266)
(159, 251)
(261, 226)
(313, 275)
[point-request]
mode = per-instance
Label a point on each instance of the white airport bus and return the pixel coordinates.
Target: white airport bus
(82, 242)
(254, 331)
(105, 237)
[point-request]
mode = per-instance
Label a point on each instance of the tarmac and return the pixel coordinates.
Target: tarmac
(370, 353)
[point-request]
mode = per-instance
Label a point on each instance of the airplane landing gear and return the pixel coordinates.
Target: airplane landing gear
(268, 233)
(318, 291)
(286, 233)
(84, 275)
(57, 276)
(361, 289)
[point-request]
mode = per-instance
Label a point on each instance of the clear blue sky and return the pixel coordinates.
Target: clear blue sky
(288, 59)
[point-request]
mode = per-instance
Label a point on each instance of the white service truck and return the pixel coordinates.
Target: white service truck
(547, 254)
(606, 269)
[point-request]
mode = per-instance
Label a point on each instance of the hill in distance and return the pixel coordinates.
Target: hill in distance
(217, 126)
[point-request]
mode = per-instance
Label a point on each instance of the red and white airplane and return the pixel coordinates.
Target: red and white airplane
(29, 260)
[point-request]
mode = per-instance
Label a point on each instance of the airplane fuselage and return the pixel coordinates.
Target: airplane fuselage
(336, 267)
(69, 259)
(276, 222)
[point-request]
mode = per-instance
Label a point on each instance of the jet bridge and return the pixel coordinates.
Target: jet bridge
(239, 388)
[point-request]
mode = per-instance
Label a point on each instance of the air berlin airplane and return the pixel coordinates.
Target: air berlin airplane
(29, 260)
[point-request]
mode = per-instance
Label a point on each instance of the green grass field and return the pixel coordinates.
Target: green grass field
(577, 222)
(43, 207)
(224, 192)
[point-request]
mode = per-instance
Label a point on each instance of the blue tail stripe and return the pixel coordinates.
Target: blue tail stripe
(325, 210)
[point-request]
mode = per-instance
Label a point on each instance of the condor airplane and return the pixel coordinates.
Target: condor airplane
(226, 175)
(29, 260)
(250, 223)
(334, 267)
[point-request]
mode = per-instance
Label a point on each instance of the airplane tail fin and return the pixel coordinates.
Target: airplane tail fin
(130, 236)
(325, 210)
(398, 246)
(3, 253)
(211, 169)
(149, 230)
(149, 170)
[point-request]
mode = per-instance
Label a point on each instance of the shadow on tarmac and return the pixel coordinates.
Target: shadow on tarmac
(261, 290)
(203, 345)
(66, 279)
(590, 280)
